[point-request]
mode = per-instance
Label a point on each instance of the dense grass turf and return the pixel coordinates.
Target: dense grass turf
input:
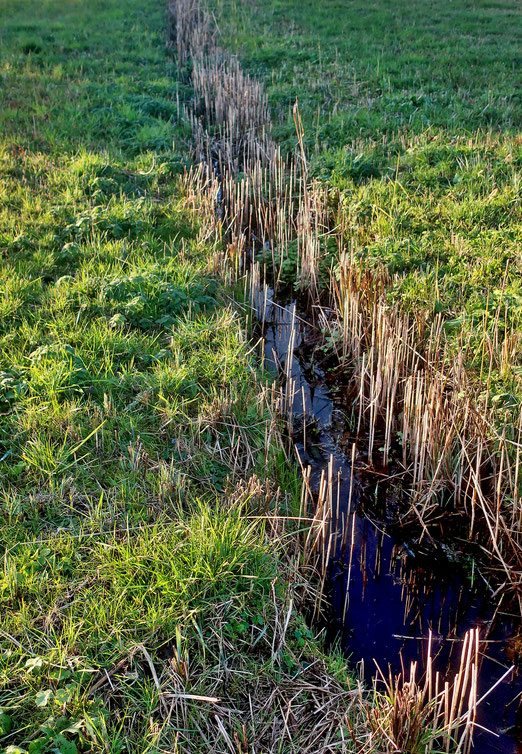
(128, 405)
(411, 110)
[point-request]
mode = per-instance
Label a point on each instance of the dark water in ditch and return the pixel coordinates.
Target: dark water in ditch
(385, 593)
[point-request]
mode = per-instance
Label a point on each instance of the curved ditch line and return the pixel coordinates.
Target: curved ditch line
(392, 587)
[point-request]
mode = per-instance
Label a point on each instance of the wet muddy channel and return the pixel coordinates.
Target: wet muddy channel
(386, 593)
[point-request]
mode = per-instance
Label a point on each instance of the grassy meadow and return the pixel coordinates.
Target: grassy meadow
(131, 415)
(147, 601)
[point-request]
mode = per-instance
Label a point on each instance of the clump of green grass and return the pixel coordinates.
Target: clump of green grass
(109, 592)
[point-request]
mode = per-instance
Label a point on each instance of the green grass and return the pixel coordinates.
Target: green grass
(128, 410)
(412, 112)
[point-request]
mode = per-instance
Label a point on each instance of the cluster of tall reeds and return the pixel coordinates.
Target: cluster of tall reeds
(415, 398)
(422, 714)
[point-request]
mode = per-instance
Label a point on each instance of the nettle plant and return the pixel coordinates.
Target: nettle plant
(148, 298)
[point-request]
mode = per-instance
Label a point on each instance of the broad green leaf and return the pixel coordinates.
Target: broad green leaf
(44, 697)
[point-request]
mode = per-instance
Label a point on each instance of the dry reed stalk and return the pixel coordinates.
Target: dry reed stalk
(417, 716)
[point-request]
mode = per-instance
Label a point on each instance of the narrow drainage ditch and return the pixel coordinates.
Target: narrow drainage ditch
(385, 592)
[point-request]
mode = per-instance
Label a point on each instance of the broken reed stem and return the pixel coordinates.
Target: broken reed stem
(401, 718)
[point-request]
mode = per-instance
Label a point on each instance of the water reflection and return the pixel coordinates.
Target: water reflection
(385, 596)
